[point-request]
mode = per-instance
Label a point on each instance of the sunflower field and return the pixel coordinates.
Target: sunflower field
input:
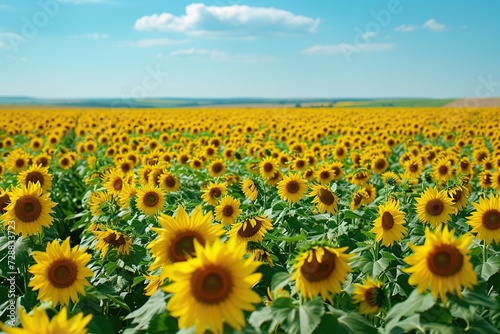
(320, 220)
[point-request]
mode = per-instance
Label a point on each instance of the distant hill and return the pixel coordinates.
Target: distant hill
(204, 102)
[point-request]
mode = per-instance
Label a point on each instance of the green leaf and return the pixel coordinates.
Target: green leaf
(305, 318)
(490, 267)
(258, 318)
(162, 324)
(142, 316)
(356, 323)
(103, 291)
(280, 280)
(415, 303)
(474, 298)
(100, 325)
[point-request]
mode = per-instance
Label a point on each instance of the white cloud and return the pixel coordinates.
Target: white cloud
(3, 45)
(94, 36)
(235, 20)
(8, 39)
(406, 28)
(222, 56)
(144, 43)
(347, 48)
(433, 25)
(368, 35)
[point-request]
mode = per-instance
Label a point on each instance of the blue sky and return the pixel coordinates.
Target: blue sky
(238, 48)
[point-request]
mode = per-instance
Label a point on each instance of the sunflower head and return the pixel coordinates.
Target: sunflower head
(249, 189)
(216, 283)
(38, 322)
(228, 210)
(485, 220)
(434, 207)
(321, 270)
(292, 188)
(369, 296)
(60, 272)
(442, 263)
(252, 229)
(29, 208)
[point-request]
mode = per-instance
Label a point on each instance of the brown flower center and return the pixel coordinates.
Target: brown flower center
(387, 221)
(380, 164)
(4, 201)
(268, 167)
(315, 271)
(413, 168)
(292, 186)
(434, 207)
(371, 296)
(326, 196)
(228, 210)
(118, 184)
(65, 162)
(445, 260)
(170, 181)
(62, 273)
(464, 165)
(491, 219)
(211, 284)
(151, 199)
(113, 240)
(28, 208)
(324, 175)
(20, 163)
(443, 170)
(43, 161)
(249, 230)
(34, 177)
(457, 195)
(217, 167)
(215, 192)
(183, 244)
(300, 164)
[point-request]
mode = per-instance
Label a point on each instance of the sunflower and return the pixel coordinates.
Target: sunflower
(115, 181)
(96, 199)
(371, 191)
(442, 263)
(495, 180)
(391, 178)
(29, 208)
(118, 240)
(325, 199)
(321, 270)
(360, 177)
(4, 201)
(212, 193)
(17, 161)
(442, 170)
(486, 179)
(169, 182)
(336, 167)
(66, 162)
(154, 284)
(325, 174)
(252, 229)
(249, 189)
(459, 195)
(175, 241)
(216, 168)
(214, 287)
(228, 210)
(357, 199)
(34, 174)
(261, 255)
(273, 181)
(369, 296)
(485, 221)
(379, 164)
(60, 272)
(39, 322)
(413, 167)
(150, 199)
(292, 188)
(389, 226)
(434, 207)
(268, 168)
